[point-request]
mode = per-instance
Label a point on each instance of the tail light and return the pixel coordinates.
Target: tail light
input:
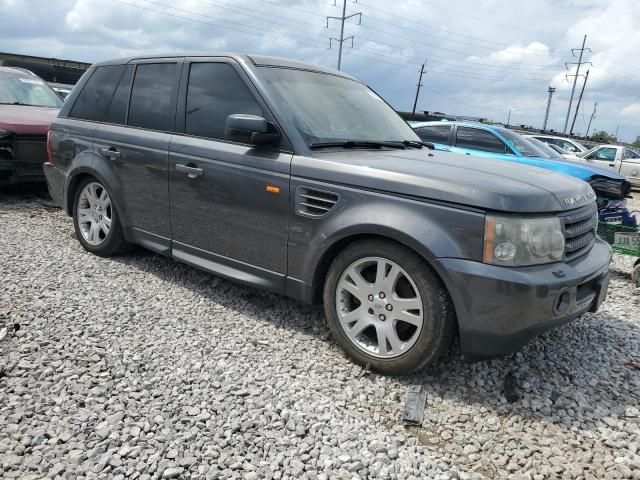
(49, 147)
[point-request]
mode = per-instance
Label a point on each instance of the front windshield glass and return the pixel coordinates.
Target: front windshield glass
(25, 89)
(522, 144)
(547, 149)
(328, 108)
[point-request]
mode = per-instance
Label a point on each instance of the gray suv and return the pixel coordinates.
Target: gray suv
(301, 180)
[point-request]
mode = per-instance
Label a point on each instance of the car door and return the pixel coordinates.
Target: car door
(603, 157)
(481, 143)
(438, 135)
(135, 143)
(229, 201)
(630, 166)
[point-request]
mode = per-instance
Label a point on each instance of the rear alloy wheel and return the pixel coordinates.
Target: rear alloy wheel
(95, 213)
(386, 308)
(96, 221)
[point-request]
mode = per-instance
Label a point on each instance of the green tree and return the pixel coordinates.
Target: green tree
(637, 142)
(602, 137)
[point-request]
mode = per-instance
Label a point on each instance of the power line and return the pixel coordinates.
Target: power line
(477, 106)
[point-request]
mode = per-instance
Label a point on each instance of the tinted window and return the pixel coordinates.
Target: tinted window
(120, 101)
(477, 139)
(151, 104)
(94, 99)
(435, 134)
(215, 91)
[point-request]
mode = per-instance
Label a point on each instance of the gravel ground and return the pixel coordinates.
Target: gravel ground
(140, 367)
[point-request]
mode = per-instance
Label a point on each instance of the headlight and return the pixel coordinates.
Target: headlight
(4, 133)
(515, 242)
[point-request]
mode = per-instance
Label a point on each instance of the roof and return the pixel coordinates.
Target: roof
(258, 60)
(23, 71)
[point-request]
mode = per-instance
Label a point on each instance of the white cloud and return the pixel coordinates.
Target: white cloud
(632, 110)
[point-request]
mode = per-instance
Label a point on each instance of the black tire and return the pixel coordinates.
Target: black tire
(439, 324)
(114, 242)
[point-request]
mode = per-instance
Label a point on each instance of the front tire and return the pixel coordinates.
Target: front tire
(386, 308)
(96, 220)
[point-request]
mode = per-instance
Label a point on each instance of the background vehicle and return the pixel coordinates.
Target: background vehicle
(61, 89)
(301, 180)
(27, 107)
(553, 150)
(566, 144)
(491, 141)
(622, 160)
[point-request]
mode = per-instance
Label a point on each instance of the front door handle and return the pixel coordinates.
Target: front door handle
(612, 164)
(110, 153)
(191, 171)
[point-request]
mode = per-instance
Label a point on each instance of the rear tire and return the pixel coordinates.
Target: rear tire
(96, 220)
(386, 308)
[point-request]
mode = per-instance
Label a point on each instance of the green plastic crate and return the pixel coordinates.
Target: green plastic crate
(625, 240)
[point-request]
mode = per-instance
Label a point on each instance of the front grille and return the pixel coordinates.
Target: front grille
(579, 231)
(30, 148)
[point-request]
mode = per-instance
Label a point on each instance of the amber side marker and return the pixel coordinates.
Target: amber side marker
(272, 189)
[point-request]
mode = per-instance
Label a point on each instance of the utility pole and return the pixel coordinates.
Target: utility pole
(616, 134)
(415, 102)
(509, 117)
(575, 78)
(593, 115)
(586, 77)
(342, 19)
(551, 91)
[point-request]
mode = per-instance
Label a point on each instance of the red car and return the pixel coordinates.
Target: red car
(27, 108)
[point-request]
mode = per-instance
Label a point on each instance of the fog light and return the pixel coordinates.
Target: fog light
(505, 251)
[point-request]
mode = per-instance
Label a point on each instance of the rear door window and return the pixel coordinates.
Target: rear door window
(478, 139)
(152, 103)
(93, 101)
(435, 133)
(215, 91)
(608, 154)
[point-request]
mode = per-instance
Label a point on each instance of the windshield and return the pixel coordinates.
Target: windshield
(328, 108)
(521, 144)
(24, 89)
(546, 148)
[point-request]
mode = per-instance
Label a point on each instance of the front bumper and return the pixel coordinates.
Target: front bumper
(500, 309)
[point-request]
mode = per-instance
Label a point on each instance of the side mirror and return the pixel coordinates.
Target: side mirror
(252, 129)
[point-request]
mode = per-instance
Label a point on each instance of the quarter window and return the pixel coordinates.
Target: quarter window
(93, 101)
(435, 134)
(120, 101)
(477, 139)
(215, 91)
(151, 104)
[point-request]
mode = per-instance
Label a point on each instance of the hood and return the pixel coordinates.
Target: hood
(26, 120)
(449, 177)
(578, 169)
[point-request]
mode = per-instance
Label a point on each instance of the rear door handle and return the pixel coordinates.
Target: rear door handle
(192, 172)
(110, 153)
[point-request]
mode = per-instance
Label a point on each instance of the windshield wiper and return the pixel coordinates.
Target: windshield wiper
(357, 144)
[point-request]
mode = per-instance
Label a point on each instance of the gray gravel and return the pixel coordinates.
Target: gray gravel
(140, 367)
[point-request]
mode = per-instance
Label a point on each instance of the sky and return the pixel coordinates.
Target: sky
(483, 57)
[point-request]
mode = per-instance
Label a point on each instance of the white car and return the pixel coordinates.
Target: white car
(566, 144)
(620, 159)
(559, 151)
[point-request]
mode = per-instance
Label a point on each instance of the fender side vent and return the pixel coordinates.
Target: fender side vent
(315, 203)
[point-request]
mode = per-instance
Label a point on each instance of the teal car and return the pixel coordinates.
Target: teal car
(492, 141)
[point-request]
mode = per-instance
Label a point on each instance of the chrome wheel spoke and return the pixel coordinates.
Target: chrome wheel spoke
(407, 317)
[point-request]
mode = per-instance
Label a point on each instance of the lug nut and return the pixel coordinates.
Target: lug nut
(389, 307)
(382, 317)
(371, 298)
(381, 295)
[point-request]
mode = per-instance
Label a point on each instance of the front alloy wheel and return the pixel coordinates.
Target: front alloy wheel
(379, 307)
(386, 307)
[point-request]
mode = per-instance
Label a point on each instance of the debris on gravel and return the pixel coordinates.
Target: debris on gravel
(140, 367)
